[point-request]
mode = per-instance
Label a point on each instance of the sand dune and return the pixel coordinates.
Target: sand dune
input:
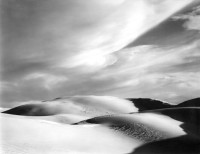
(114, 134)
(188, 115)
(29, 136)
(149, 104)
(94, 106)
(185, 144)
(100, 124)
(173, 130)
(144, 104)
(79, 105)
(190, 103)
(147, 127)
(3, 109)
(58, 118)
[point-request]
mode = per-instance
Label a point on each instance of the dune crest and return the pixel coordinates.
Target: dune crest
(80, 105)
(101, 124)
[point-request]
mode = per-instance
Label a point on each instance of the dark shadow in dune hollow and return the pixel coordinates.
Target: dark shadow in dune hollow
(144, 104)
(186, 144)
(182, 145)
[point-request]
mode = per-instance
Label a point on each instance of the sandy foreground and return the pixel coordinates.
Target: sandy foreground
(115, 132)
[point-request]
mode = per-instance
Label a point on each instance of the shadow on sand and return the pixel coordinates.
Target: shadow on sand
(186, 144)
(182, 145)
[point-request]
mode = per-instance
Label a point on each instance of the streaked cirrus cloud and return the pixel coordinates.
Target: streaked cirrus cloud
(193, 19)
(55, 48)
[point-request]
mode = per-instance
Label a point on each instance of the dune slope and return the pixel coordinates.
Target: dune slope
(29, 136)
(100, 124)
(149, 104)
(79, 105)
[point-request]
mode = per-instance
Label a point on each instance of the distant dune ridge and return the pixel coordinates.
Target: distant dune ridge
(190, 103)
(80, 105)
(149, 104)
(102, 124)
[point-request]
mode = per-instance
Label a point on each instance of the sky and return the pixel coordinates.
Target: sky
(123, 48)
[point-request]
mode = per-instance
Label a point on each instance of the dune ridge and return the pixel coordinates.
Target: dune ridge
(101, 124)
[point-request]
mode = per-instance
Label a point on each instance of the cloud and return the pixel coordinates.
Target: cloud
(123, 26)
(192, 19)
(166, 73)
(49, 81)
(56, 33)
(55, 48)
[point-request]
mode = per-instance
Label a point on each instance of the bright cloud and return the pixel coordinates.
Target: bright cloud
(123, 26)
(55, 48)
(152, 71)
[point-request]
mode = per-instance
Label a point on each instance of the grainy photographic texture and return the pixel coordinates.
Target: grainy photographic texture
(100, 76)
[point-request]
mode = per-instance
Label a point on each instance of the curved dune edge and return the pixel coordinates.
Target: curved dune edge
(93, 106)
(34, 136)
(184, 144)
(149, 131)
(113, 134)
(23, 135)
(147, 126)
(90, 106)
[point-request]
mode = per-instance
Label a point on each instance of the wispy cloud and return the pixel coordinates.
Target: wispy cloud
(193, 19)
(152, 71)
(53, 48)
(123, 26)
(49, 81)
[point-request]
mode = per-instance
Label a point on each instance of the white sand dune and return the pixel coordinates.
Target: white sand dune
(44, 128)
(29, 136)
(79, 105)
(58, 118)
(144, 104)
(2, 109)
(147, 127)
(106, 134)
